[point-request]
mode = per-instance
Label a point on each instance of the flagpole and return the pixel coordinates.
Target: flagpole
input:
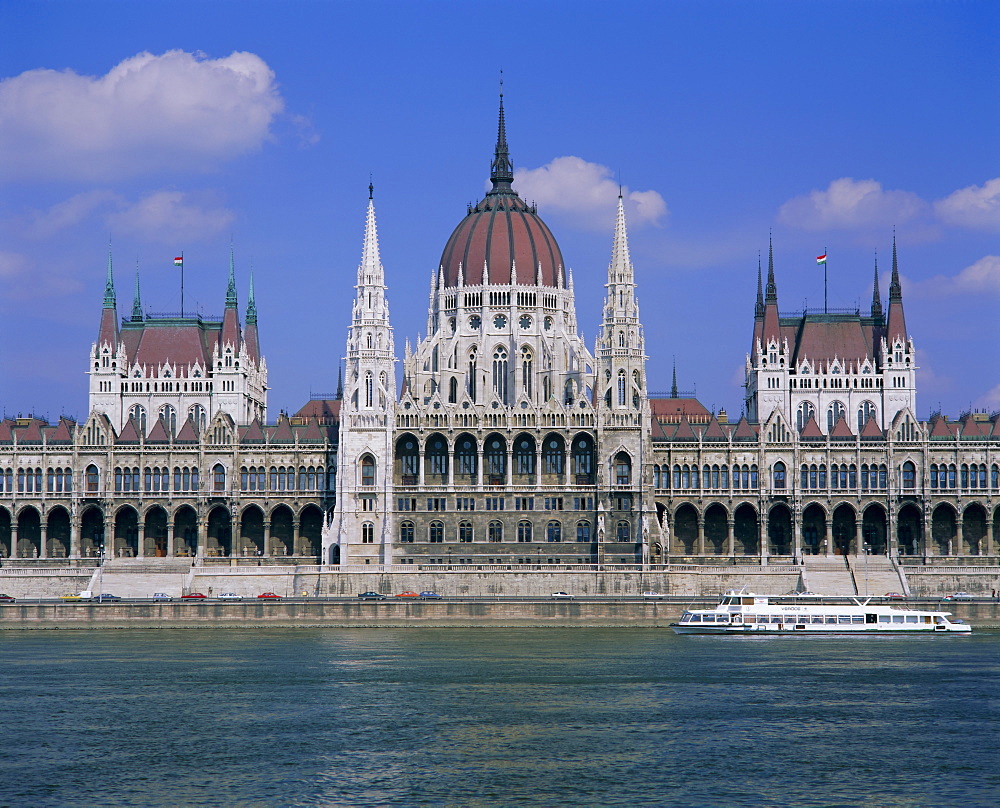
(182, 284)
(826, 253)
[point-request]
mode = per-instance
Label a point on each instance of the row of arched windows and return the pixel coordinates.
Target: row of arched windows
(843, 476)
(553, 531)
(185, 478)
(167, 413)
(29, 481)
(686, 476)
(834, 412)
(944, 475)
(284, 478)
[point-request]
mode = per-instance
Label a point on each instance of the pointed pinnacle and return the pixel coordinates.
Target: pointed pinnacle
(231, 288)
(109, 284)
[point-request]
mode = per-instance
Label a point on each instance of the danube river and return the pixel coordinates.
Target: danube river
(483, 717)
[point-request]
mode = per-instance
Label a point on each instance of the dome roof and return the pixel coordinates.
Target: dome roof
(500, 232)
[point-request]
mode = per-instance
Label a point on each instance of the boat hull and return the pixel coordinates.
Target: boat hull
(818, 630)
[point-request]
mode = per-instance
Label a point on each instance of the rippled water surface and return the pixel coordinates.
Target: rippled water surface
(457, 717)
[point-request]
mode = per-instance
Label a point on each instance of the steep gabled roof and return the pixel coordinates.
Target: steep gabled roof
(311, 433)
(941, 428)
(30, 432)
(673, 410)
(661, 431)
(282, 431)
(973, 429)
(326, 410)
(714, 431)
(811, 429)
(684, 431)
(129, 433)
(744, 430)
(188, 433)
(841, 429)
(6, 434)
(252, 433)
(158, 434)
(871, 430)
(63, 432)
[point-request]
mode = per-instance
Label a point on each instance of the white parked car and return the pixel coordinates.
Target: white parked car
(161, 596)
(562, 596)
(230, 596)
(652, 596)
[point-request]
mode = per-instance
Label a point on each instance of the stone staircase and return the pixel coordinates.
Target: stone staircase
(878, 576)
(828, 576)
(141, 577)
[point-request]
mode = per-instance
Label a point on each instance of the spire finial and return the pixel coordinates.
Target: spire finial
(136, 302)
(876, 298)
(251, 302)
(340, 381)
(109, 284)
(231, 288)
(772, 287)
(371, 188)
(502, 169)
(673, 385)
(895, 289)
(759, 307)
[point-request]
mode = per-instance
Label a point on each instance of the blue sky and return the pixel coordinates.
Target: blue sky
(183, 126)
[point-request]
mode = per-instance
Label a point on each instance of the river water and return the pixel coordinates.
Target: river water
(483, 717)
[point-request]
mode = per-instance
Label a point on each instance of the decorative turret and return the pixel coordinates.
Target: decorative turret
(771, 328)
(876, 298)
(251, 339)
(502, 169)
(108, 334)
(896, 324)
(231, 317)
(136, 302)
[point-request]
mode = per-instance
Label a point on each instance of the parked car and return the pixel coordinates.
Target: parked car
(562, 596)
(430, 596)
(652, 596)
(6, 599)
(407, 595)
(193, 596)
(371, 595)
(958, 596)
(895, 596)
(161, 596)
(230, 596)
(107, 597)
(268, 596)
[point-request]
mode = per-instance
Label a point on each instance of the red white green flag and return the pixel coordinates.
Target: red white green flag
(179, 261)
(821, 259)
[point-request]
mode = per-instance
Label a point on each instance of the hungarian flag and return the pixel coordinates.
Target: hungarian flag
(821, 259)
(179, 261)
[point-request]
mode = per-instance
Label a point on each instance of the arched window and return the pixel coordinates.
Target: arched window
(495, 531)
(524, 531)
(805, 411)
(198, 416)
(472, 374)
(406, 532)
(753, 477)
(583, 532)
(934, 475)
(500, 373)
(527, 372)
(219, 477)
(865, 412)
(452, 390)
(553, 531)
(465, 459)
(994, 476)
(779, 475)
(367, 471)
(909, 475)
(725, 478)
(677, 476)
(552, 456)
(496, 460)
(437, 457)
(138, 414)
(168, 414)
(623, 531)
(367, 533)
(852, 476)
(621, 388)
(583, 459)
(952, 477)
(435, 532)
(822, 476)
(965, 475)
(623, 469)
(465, 532)
(369, 390)
(524, 455)
(656, 476)
(833, 414)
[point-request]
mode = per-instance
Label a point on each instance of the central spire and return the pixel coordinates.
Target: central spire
(109, 284)
(502, 169)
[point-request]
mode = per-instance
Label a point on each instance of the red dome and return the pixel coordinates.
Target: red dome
(501, 230)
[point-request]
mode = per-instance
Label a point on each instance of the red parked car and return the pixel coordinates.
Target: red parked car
(269, 596)
(193, 596)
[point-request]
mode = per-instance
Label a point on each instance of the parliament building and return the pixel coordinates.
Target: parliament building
(502, 440)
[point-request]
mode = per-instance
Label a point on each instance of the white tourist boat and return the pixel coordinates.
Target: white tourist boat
(745, 613)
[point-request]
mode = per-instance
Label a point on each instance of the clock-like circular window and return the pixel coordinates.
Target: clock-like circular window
(525, 321)
(475, 322)
(500, 321)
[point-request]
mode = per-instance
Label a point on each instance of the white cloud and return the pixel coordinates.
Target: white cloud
(587, 190)
(976, 206)
(850, 204)
(24, 280)
(981, 278)
(172, 217)
(42, 224)
(177, 110)
(990, 400)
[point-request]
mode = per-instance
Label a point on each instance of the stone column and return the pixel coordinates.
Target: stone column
(15, 535)
(170, 538)
(295, 537)
(43, 537)
(140, 542)
(988, 538)
(510, 465)
(958, 548)
(701, 534)
(200, 536)
(567, 458)
(731, 538)
(796, 535)
(269, 538)
(235, 548)
(859, 537)
(479, 467)
(74, 537)
(420, 466)
(451, 466)
(762, 538)
(538, 463)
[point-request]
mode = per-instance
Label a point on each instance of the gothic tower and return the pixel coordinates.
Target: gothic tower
(362, 525)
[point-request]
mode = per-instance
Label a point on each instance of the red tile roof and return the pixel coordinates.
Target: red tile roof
(129, 433)
(871, 429)
(326, 411)
(811, 429)
(841, 429)
(674, 410)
